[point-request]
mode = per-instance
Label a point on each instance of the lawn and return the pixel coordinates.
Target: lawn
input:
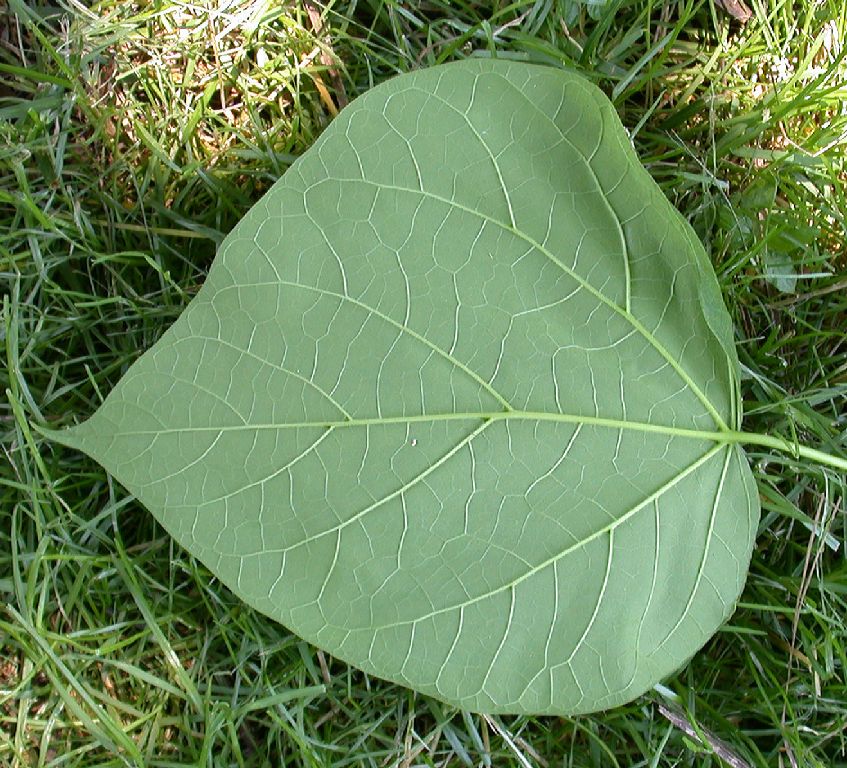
(133, 136)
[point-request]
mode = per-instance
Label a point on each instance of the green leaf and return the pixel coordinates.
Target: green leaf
(760, 195)
(453, 402)
(780, 271)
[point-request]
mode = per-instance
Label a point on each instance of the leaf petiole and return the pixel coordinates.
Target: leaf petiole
(795, 449)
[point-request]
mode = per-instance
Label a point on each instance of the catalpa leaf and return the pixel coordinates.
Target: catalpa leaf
(452, 402)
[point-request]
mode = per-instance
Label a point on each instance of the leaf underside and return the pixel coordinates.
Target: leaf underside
(449, 405)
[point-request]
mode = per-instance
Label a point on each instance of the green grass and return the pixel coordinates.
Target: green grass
(134, 136)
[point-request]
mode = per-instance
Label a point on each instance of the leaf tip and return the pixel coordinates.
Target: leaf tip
(66, 437)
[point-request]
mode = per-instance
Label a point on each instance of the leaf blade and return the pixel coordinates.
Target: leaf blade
(432, 429)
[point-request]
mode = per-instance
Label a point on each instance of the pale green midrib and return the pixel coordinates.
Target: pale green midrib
(579, 544)
(601, 297)
(720, 437)
(717, 436)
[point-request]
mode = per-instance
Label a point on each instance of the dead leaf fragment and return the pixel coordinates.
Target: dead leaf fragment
(736, 9)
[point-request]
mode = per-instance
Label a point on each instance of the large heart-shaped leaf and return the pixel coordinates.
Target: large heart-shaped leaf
(452, 402)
